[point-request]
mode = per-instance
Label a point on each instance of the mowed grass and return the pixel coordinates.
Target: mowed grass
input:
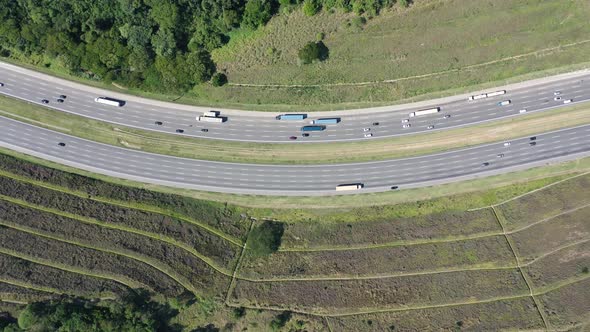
(277, 153)
(488, 252)
(432, 46)
(513, 314)
(357, 296)
(546, 203)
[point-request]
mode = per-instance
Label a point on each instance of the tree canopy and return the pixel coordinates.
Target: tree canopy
(132, 313)
(159, 45)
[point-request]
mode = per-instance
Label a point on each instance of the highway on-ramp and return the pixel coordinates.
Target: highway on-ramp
(263, 127)
(306, 180)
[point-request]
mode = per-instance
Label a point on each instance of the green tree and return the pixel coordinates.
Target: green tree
(163, 43)
(265, 238)
(311, 7)
(257, 13)
(313, 51)
(218, 79)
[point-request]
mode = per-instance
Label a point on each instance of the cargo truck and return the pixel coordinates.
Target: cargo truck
(212, 114)
(313, 128)
(291, 117)
(109, 101)
(325, 121)
(351, 186)
(425, 112)
(203, 118)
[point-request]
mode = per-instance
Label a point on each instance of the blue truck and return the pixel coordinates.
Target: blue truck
(291, 117)
(325, 121)
(313, 128)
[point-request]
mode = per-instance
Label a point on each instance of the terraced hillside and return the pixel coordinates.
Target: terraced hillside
(518, 264)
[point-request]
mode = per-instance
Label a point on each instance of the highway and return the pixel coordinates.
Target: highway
(263, 127)
(294, 180)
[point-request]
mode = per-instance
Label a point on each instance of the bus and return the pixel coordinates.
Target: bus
(425, 112)
(109, 101)
(349, 186)
(325, 121)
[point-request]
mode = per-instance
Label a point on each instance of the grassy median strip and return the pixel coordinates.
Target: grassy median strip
(276, 153)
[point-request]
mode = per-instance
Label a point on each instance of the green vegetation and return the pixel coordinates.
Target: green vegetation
(265, 238)
(399, 54)
(430, 260)
(134, 312)
(313, 51)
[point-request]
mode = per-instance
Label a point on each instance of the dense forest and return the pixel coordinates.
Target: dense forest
(135, 312)
(156, 45)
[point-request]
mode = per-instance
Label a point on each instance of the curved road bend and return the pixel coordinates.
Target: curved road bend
(263, 127)
(294, 180)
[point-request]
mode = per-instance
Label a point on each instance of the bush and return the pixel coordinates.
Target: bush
(313, 51)
(218, 79)
(280, 320)
(404, 3)
(311, 7)
(266, 238)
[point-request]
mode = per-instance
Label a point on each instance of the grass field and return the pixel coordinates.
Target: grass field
(400, 53)
(440, 269)
(317, 153)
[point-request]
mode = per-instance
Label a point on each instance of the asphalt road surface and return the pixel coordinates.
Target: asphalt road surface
(245, 126)
(294, 180)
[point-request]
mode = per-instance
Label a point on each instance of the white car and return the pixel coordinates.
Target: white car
(368, 135)
(507, 144)
(405, 120)
(522, 111)
(558, 98)
(556, 93)
(567, 101)
(366, 129)
(447, 116)
(501, 155)
(407, 125)
(430, 127)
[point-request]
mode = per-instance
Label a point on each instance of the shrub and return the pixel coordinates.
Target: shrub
(280, 320)
(311, 7)
(266, 238)
(313, 51)
(585, 270)
(218, 79)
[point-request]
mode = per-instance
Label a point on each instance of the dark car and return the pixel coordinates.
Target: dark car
(375, 123)
(61, 144)
(305, 134)
(533, 143)
(159, 123)
(394, 187)
(45, 101)
(62, 96)
(485, 164)
(60, 100)
(205, 130)
(180, 131)
(293, 137)
(534, 138)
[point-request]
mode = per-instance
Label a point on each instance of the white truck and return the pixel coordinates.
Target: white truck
(425, 112)
(109, 101)
(351, 186)
(214, 119)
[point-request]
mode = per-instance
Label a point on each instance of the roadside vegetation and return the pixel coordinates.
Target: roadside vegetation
(512, 257)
